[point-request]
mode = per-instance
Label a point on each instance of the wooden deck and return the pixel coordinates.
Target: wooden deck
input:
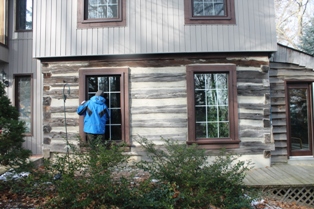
(281, 175)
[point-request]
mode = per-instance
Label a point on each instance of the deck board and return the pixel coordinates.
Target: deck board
(281, 175)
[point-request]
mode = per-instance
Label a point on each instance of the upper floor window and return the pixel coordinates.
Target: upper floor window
(4, 22)
(101, 13)
(209, 11)
(24, 15)
(212, 105)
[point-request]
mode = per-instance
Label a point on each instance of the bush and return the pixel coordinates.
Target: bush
(197, 183)
(179, 177)
(12, 153)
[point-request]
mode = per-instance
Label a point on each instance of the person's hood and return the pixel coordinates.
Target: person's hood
(98, 99)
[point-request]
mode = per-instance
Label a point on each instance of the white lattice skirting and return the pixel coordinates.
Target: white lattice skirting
(299, 195)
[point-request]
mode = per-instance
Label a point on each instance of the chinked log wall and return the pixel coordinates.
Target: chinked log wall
(158, 100)
(279, 72)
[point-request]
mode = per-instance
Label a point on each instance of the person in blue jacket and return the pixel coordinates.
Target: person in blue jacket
(96, 115)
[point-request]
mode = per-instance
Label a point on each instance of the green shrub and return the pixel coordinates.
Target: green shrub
(180, 177)
(198, 183)
(12, 153)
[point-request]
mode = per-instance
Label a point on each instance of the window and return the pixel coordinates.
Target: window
(23, 100)
(114, 83)
(101, 13)
(209, 11)
(24, 15)
(212, 105)
(4, 22)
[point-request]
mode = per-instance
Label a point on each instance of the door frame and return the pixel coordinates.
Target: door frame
(300, 83)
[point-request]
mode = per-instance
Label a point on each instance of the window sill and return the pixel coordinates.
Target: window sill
(216, 144)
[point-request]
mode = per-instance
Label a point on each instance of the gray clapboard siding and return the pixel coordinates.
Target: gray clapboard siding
(152, 27)
(287, 64)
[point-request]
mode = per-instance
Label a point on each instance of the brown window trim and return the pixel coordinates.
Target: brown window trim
(290, 83)
(213, 143)
(229, 18)
(15, 77)
(124, 72)
(97, 23)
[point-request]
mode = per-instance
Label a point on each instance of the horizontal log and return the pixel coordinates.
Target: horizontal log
(158, 77)
(278, 101)
(251, 106)
(159, 138)
(281, 144)
(278, 109)
(173, 123)
(280, 137)
(61, 109)
(158, 94)
(278, 65)
(252, 116)
(249, 75)
(279, 115)
(277, 86)
(292, 72)
(61, 122)
(60, 80)
(279, 130)
(159, 109)
(279, 152)
(279, 122)
(252, 91)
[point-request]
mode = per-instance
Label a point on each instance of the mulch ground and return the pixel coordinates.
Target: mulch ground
(12, 200)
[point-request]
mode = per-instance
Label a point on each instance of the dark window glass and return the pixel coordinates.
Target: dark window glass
(23, 100)
(211, 105)
(208, 8)
(102, 9)
(4, 22)
(111, 86)
(24, 15)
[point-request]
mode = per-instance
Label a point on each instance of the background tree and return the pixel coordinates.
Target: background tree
(291, 17)
(12, 152)
(307, 39)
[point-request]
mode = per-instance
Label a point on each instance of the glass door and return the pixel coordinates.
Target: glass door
(299, 115)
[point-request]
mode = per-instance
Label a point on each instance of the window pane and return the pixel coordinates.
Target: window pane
(208, 8)
(3, 21)
(102, 9)
(24, 102)
(299, 123)
(24, 13)
(110, 84)
(211, 105)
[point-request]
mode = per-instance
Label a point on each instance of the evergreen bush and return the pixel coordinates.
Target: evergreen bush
(198, 183)
(12, 153)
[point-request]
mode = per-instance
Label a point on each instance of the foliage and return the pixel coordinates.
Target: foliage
(307, 40)
(178, 176)
(12, 152)
(197, 183)
(291, 17)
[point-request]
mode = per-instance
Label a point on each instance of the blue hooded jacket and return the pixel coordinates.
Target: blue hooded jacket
(96, 115)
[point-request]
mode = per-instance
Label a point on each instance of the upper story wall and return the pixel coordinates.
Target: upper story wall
(152, 26)
(4, 54)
